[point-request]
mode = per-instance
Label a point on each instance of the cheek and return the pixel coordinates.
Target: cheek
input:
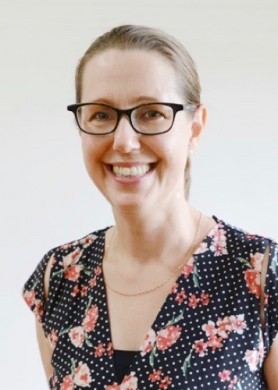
(90, 155)
(92, 147)
(87, 153)
(175, 149)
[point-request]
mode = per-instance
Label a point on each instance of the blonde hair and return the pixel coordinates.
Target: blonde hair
(127, 37)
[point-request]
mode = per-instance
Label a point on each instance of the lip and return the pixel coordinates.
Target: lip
(130, 180)
(130, 163)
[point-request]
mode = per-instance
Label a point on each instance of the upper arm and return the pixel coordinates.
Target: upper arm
(44, 345)
(271, 366)
(45, 350)
(263, 278)
(271, 360)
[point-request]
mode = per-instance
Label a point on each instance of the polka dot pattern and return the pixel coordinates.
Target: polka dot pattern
(207, 334)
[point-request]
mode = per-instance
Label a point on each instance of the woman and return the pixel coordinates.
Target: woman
(168, 298)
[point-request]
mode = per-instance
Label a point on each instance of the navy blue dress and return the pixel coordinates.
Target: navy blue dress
(207, 334)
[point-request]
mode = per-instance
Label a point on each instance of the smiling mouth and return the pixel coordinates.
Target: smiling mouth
(132, 171)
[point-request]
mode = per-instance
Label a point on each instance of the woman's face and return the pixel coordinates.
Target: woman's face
(124, 79)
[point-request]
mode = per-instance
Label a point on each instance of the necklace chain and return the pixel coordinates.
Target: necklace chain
(145, 292)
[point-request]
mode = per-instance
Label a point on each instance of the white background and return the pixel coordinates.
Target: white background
(46, 196)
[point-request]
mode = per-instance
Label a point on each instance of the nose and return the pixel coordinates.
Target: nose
(125, 138)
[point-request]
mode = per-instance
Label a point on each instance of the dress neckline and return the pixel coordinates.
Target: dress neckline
(157, 321)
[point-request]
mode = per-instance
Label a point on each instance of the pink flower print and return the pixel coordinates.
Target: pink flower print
(92, 282)
(155, 376)
(82, 375)
(77, 336)
(174, 288)
(224, 375)
(219, 234)
(224, 327)
(257, 260)
(238, 323)
(97, 270)
(72, 258)
(54, 380)
(75, 290)
(73, 272)
(193, 301)
(88, 240)
(218, 249)
(253, 282)
(29, 297)
(215, 342)
(68, 245)
(209, 328)
(167, 337)
(250, 236)
(84, 290)
(215, 333)
(233, 382)
(200, 347)
(214, 231)
(218, 245)
(149, 342)
(109, 349)
(180, 297)
(99, 350)
(68, 383)
(165, 383)
(52, 337)
(204, 299)
(38, 310)
(90, 319)
(113, 387)
(130, 382)
(252, 358)
(188, 268)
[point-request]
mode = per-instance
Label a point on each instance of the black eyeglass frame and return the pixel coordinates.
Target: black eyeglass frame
(175, 107)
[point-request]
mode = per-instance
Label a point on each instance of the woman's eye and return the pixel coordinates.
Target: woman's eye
(100, 116)
(153, 114)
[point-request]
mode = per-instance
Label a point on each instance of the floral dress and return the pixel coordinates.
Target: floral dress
(207, 334)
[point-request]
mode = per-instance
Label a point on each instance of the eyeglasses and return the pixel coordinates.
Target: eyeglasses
(148, 119)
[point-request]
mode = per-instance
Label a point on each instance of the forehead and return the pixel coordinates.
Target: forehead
(123, 76)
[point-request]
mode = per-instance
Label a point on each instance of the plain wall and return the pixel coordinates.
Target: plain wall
(46, 196)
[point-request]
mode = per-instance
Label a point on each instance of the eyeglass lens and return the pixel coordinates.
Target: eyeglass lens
(148, 118)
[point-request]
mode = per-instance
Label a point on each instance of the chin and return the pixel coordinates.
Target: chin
(129, 204)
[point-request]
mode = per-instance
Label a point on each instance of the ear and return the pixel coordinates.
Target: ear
(198, 124)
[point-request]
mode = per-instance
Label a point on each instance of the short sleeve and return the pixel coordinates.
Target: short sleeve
(33, 289)
(271, 296)
(64, 277)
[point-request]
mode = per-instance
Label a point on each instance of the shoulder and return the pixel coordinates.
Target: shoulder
(244, 242)
(65, 260)
(70, 254)
(257, 251)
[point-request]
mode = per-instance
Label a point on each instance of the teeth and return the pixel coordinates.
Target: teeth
(138, 170)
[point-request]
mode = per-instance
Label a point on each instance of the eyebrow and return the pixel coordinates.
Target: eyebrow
(134, 101)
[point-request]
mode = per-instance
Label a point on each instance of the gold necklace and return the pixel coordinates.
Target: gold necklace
(190, 252)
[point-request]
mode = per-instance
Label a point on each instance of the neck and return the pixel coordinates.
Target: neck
(150, 237)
